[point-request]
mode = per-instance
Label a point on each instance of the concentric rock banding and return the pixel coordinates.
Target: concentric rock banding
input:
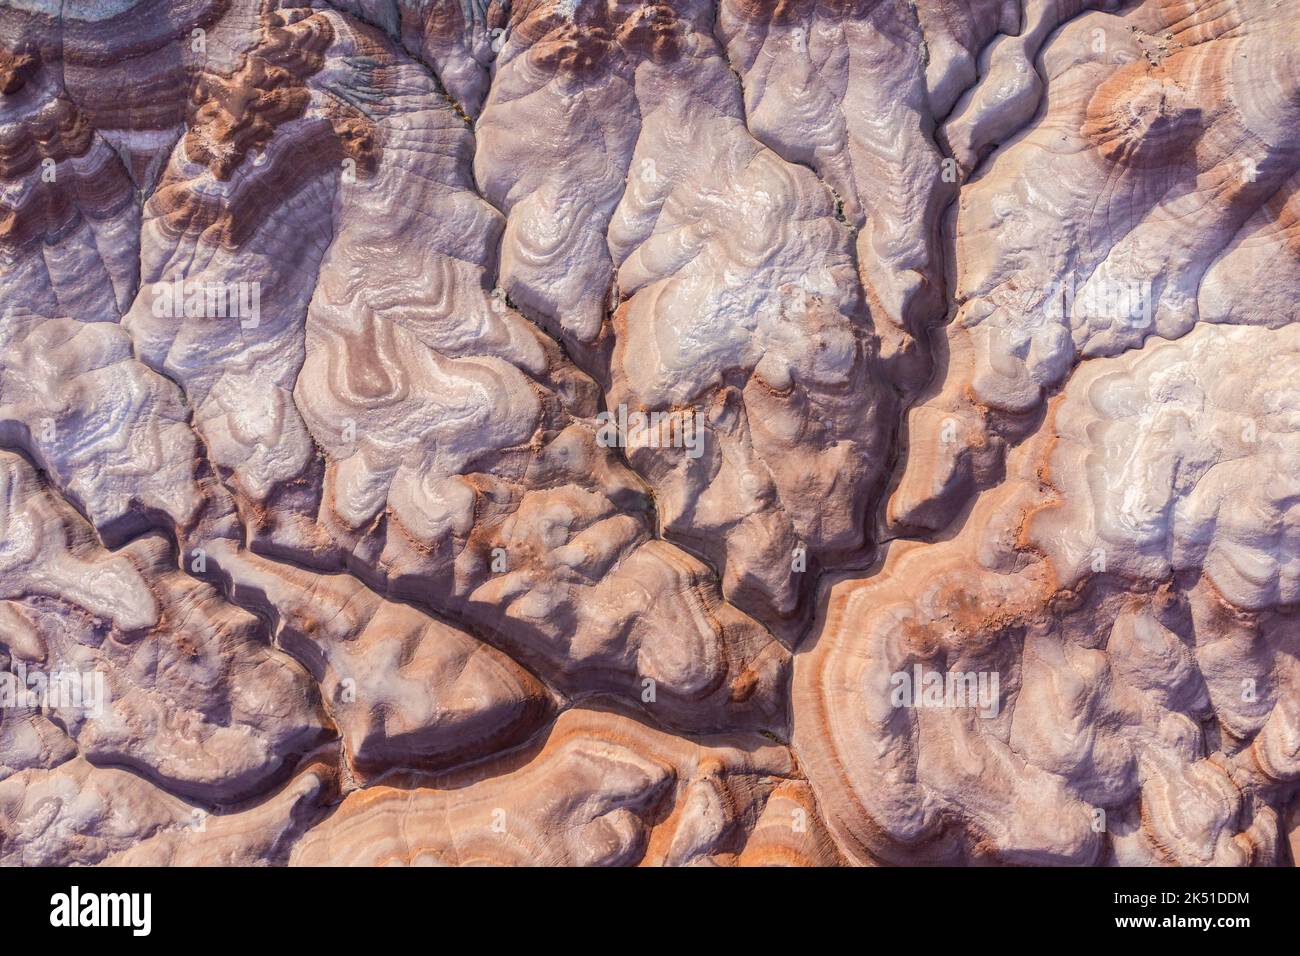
(1072, 240)
(1131, 617)
(528, 433)
(602, 790)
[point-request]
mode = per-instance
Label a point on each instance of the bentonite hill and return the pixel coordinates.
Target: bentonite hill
(580, 432)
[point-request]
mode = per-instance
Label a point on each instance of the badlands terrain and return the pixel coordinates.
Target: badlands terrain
(607, 432)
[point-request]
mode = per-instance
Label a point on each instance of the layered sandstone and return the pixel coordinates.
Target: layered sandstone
(687, 432)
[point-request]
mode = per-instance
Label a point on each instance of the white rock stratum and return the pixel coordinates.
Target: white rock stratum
(684, 432)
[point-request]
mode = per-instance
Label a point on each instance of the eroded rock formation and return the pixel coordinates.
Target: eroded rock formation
(685, 432)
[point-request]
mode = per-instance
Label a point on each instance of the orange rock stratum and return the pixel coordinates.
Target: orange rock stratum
(650, 432)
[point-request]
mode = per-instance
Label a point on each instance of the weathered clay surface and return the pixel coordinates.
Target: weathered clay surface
(687, 432)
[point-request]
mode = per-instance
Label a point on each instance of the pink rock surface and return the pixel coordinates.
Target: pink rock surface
(690, 432)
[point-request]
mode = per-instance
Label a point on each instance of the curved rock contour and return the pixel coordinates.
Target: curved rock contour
(649, 432)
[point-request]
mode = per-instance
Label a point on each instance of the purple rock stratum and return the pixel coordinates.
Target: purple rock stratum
(650, 432)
